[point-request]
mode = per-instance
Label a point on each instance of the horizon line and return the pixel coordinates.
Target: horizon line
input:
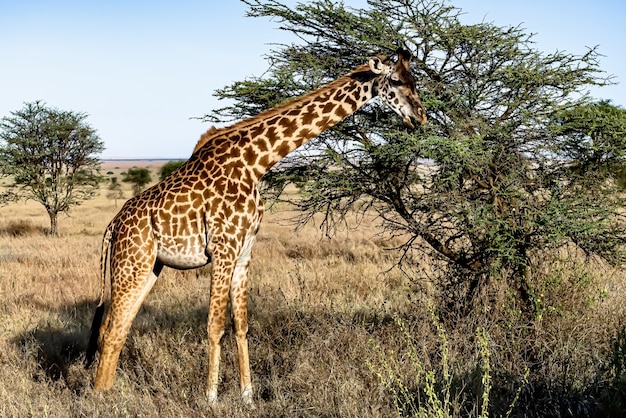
(142, 159)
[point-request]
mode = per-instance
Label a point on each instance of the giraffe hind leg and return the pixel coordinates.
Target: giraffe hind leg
(117, 322)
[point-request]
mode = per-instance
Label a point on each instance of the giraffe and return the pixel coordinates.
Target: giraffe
(209, 211)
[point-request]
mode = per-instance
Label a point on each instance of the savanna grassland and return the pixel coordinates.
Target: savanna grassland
(335, 331)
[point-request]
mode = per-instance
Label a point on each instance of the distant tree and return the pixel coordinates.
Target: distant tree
(592, 137)
(7, 197)
(139, 177)
(512, 162)
(115, 190)
(169, 167)
(51, 156)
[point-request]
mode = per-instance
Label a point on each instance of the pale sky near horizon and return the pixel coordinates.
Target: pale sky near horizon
(143, 70)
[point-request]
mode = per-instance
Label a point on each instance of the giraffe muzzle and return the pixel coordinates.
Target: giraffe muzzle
(411, 121)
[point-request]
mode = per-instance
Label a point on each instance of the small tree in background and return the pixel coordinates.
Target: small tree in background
(138, 177)
(593, 136)
(169, 167)
(52, 157)
(115, 191)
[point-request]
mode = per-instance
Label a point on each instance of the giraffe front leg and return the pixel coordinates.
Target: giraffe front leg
(221, 276)
(239, 302)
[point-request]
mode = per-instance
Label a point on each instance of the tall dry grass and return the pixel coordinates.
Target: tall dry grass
(324, 318)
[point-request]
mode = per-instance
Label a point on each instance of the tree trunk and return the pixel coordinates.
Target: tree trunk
(53, 224)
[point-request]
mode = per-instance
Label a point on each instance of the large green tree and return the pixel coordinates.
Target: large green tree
(52, 157)
(513, 160)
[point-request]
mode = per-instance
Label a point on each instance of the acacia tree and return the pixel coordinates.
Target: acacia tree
(169, 167)
(52, 157)
(499, 172)
(138, 177)
(115, 191)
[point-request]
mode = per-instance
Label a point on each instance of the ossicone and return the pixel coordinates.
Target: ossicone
(403, 54)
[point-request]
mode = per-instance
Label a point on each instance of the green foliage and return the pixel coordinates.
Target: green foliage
(592, 135)
(51, 156)
(407, 392)
(7, 197)
(139, 177)
(169, 167)
(515, 157)
(419, 392)
(593, 138)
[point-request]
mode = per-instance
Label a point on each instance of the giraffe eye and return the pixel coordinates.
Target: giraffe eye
(395, 82)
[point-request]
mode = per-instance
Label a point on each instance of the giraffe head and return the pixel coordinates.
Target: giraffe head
(396, 87)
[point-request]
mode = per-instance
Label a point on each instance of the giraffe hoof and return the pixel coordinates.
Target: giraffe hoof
(247, 400)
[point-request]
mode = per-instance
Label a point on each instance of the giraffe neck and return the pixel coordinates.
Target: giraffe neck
(265, 139)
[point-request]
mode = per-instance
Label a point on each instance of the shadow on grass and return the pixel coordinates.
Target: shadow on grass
(279, 337)
(276, 338)
(56, 348)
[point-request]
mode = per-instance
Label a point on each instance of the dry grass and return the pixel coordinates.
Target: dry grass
(318, 308)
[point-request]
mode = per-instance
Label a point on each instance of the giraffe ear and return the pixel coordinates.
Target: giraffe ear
(404, 58)
(403, 54)
(376, 65)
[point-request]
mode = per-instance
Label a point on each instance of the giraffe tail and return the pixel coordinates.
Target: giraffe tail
(94, 333)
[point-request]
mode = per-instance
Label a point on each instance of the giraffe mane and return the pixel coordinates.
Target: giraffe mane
(213, 132)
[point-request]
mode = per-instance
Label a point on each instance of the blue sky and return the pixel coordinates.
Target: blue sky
(143, 69)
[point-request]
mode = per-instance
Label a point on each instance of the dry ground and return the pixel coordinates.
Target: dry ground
(321, 331)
